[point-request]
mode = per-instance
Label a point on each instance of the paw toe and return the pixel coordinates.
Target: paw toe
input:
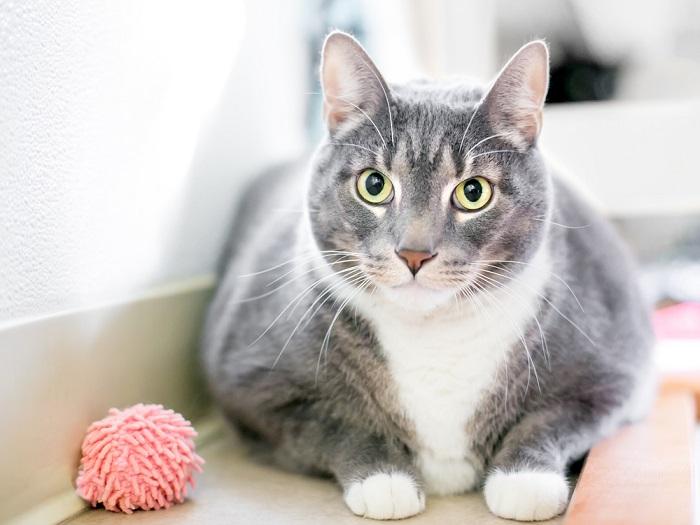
(526, 495)
(385, 496)
(355, 500)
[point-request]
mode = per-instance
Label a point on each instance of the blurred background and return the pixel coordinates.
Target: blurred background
(127, 130)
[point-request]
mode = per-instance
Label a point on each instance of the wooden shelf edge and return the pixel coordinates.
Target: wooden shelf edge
(644, 473)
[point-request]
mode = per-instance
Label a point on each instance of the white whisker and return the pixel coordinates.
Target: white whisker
(288, 210)
(557, 277)
(284, 284)
(554, 307)
(376, 153)
(494, 152)
(296, 299)
(562, 225)
(469, 125)
(353, 280)
(512, 293)
(344, 259)
(298, 258)
(326, 338)
(386, 97)
(483, 308)
(342, 274)
(358, 108)
(484, 140)
(519, 332)
(328, 293)
(304, 255)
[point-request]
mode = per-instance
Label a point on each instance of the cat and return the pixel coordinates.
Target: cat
(427, 308)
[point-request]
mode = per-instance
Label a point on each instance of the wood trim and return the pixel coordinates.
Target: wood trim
(684, 382)
(644, 473)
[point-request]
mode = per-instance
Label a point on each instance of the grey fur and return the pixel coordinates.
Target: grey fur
(334, 411)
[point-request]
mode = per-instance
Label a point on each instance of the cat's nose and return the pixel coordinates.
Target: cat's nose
(415, 259)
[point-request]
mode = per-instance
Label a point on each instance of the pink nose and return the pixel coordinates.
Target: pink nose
(415, 259)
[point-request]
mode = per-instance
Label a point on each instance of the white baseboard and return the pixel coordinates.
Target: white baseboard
(54, 510)
(59, 373)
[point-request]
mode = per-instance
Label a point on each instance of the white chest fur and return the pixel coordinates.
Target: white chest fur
(443, 362)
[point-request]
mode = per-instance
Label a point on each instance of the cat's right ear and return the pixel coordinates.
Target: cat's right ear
(352, 85)
(515, 100)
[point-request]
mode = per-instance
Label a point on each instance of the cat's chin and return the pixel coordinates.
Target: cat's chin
(416, 297)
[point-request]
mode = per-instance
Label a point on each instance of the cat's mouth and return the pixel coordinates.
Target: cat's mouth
(412, 284)
(435, 283)
(415, 295)
(422, 290)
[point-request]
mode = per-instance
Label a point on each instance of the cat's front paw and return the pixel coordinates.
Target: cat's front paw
(526, 495)
(385, 496)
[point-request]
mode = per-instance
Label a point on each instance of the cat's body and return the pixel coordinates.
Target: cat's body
(397, 390)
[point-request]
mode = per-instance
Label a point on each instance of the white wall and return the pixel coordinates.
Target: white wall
(125, 128)
(629, 158)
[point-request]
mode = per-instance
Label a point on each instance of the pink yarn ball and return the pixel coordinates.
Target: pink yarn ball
(141, 457)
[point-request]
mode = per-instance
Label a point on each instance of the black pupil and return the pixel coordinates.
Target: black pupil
(473, 190)
(374, 184)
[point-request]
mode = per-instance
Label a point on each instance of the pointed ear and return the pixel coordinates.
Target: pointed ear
(351, 82)
(514, 103)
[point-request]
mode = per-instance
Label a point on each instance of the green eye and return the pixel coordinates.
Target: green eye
(472, 194)
(374, 187)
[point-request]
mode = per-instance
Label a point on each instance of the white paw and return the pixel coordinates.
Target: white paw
(385, 496)
(526, 495)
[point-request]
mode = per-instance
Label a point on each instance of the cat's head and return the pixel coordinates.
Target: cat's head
(418, 188)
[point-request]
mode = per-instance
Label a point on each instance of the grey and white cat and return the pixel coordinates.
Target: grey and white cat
(430, 323)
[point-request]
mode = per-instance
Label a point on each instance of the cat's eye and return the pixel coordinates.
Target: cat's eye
(374, 187)
(472, 194)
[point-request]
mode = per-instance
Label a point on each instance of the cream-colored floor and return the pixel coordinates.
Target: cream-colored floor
(235, 490)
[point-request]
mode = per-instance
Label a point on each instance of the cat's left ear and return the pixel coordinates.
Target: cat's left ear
(352, 85)
(515, 101)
